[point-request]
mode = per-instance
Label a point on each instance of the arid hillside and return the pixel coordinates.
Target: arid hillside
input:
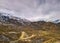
(35, 32)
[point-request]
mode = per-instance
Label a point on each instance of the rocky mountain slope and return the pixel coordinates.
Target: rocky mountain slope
(17, 30)
(8, 19)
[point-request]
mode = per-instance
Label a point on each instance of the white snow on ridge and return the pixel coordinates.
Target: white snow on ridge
(33, 10)
(47, 18)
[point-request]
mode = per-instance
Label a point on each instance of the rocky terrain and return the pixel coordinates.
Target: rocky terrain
(16, 30)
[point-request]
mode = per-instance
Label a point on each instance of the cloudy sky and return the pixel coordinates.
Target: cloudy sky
(32, 9)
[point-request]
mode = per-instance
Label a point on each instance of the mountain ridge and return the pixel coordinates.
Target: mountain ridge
(25, 31)
(12, 19)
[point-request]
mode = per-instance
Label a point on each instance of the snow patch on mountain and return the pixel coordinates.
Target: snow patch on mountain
(12, 15)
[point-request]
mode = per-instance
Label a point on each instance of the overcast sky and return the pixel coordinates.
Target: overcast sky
(32, 9)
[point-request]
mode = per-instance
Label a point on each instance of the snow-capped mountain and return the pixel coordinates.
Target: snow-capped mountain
(6, 18)
(56, 21)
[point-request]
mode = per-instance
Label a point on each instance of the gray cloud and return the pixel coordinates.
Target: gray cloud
(33, 9)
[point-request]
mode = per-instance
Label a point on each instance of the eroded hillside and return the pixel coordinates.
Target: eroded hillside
(35, 32)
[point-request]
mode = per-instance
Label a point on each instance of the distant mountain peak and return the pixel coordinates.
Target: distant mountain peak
(57, 21)
(9, 18)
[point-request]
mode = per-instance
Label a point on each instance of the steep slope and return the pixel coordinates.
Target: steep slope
(17, 30)
(12, 19)
(35, 32)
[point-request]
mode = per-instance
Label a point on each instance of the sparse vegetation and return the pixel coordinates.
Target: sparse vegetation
(37, 32)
